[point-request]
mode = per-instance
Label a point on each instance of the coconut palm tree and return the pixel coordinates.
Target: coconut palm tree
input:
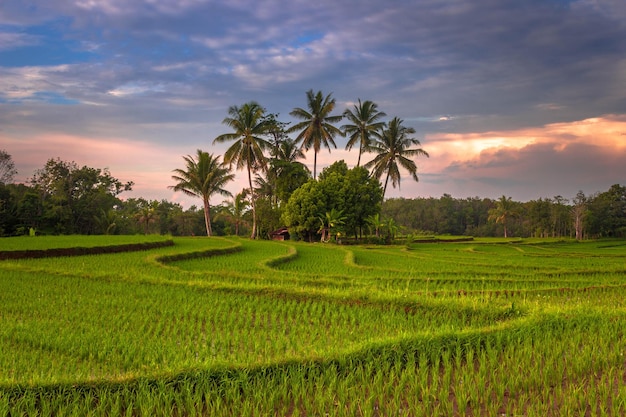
(236, 210)
(364, 127)
(316, 128)
(394, 151)
(147, 214)
(502, 212)
(249, 124)
(202, 177)
(287, 150)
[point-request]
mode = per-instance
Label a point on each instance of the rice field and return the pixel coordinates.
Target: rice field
(233, 327)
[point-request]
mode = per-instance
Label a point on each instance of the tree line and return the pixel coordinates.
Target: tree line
(340, 202)
(602, 214)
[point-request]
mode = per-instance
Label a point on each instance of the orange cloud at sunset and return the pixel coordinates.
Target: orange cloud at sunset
(559, 158)
(608, 133)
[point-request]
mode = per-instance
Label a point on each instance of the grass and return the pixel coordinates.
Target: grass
(71, 241)
(237, 327)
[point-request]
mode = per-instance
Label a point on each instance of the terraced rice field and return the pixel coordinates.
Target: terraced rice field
(233, 327)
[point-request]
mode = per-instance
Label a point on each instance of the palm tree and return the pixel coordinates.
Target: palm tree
(249, 125)
(265, 187)
(331, 219)
(106, 220)
(287, 150)
(236, 211)
(392, 228)
(502, 212)
(203, 177)
(147, 214)
(393, 149)
(376, 223)
(365, 125)
(316, 128)
(285, 153)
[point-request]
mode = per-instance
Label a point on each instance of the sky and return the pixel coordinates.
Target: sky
(525, 99)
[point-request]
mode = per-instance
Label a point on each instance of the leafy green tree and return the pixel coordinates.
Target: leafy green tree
(8, 213)
(277, 131)
(606, 215)
(303, 210)
(29, 211)
(539, 217)
(503, 212)
(71, 197)
(249, 124)
(362, 197)
(7, 168)
(445, 215)
(167, 213)
(349, 191)
(393, 151)
(365, 125)
(186, 220)
(203, 177)
(291, 176)
(286, 172)
(579, 212)
(269, 217)
(316, 128)
(559, 216)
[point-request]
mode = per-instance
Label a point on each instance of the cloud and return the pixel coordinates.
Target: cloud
(559, 158)
(487, 84)
(14, 40)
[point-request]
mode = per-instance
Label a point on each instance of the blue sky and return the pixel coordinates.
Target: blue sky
(519, 98)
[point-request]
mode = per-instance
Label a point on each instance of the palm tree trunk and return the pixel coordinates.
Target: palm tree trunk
(253, 198)
(385, 188)
(358, 162)
(207, 217)
(315, 165)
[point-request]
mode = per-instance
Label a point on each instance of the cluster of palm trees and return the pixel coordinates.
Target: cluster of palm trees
(254, 132)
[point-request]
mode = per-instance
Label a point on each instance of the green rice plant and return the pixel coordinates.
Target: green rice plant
(236, 327)
(22, 243)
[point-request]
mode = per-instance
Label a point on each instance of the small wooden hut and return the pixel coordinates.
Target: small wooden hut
(280, 234)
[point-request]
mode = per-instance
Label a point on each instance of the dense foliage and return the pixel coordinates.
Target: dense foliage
(599, 215)
(351, 192)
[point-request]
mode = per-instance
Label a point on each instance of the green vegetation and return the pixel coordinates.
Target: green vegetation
(228, 327)
(351, 192)
(204, 176)
(73, 241)
(393, 149)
